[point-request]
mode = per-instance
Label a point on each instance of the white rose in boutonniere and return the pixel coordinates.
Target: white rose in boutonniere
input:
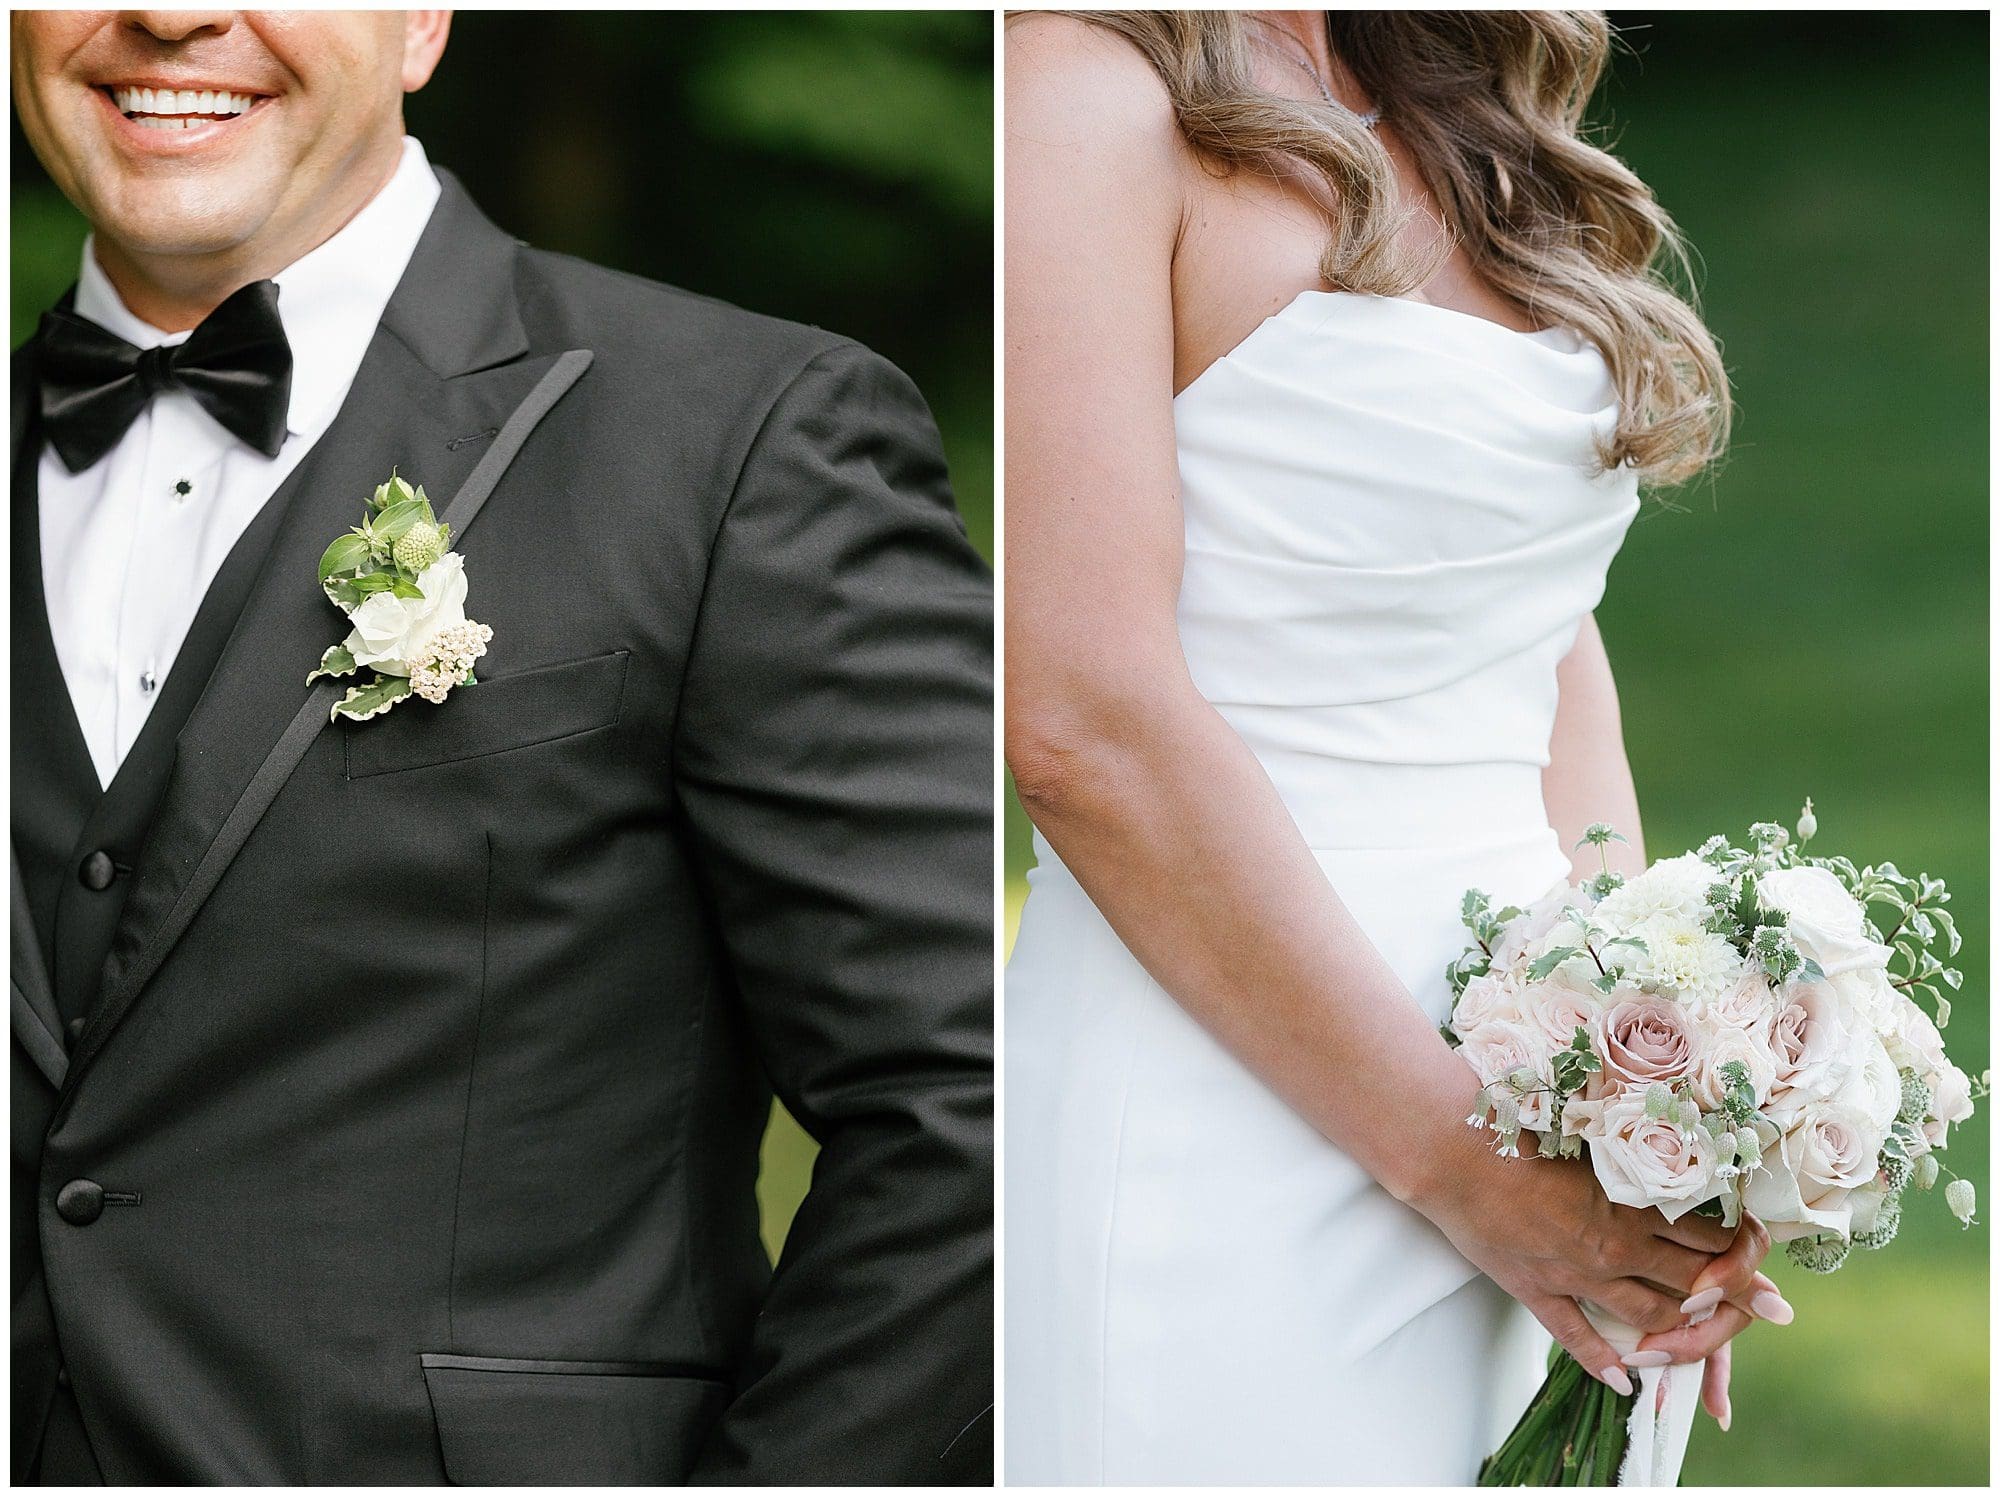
(403, 591)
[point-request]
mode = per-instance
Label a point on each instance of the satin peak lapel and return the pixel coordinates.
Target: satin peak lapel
(448, 359)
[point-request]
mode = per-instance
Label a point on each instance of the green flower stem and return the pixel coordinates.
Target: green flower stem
(1613, 1421)
(1572, 1434)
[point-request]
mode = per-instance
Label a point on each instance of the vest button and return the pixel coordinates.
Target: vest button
(97, 871)
(62, 1377)
(76, 1027)
(80, 1202)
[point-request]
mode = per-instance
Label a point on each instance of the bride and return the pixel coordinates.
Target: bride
(1336, 360)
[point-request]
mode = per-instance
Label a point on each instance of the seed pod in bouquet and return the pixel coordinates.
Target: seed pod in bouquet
(1817, 1254)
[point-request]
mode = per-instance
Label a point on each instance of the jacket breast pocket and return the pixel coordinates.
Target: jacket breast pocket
(508, 1422)
(537, 705)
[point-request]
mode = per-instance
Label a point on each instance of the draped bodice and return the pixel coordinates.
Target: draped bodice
(1396, 519)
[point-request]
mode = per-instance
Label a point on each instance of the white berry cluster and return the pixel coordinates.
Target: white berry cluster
(449, 660)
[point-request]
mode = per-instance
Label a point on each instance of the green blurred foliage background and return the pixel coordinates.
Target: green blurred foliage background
(1814, 619)
(833, 167)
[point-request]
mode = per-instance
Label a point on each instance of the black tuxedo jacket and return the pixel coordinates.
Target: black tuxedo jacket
(428, 1064)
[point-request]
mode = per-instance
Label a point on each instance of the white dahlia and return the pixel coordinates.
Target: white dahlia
(1676, 887)
(1683, 956)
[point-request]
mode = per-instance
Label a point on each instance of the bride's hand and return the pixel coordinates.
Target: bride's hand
(1739, 1295)
(1543, 1231)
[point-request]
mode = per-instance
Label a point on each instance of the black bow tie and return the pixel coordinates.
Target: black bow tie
(237, 366)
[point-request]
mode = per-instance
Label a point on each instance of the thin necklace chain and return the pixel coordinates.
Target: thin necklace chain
(1369, 118)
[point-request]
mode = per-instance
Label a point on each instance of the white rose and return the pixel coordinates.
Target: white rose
(1813, 1042)
(1913, 1039)
(1647, 1161)
(1808, 1174)
(1534, 923)
(1499, 1049)
(1951, 1102)
(1751, 1004)
(1871, 1087)
(1823, 919)
(1485, 1000)
(390, 632)
(1556, 1010)
(1869, 996)
(1722, 1044)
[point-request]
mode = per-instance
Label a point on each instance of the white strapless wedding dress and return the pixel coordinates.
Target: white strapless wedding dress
(1395, 525)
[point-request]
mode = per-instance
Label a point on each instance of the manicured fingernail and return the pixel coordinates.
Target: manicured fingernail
(1770, 1305)
(1724, 1420)
(1708, 1299)
(1646, 1359)
(1615, 1379)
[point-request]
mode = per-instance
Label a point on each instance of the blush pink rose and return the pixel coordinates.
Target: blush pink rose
(1648, 1161)
(1642, 1038)
(1813, 1047)
(1497, 1050)
(1725, 1043)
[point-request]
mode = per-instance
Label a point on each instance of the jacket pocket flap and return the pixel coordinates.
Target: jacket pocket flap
(537, 705)
(502, 1421)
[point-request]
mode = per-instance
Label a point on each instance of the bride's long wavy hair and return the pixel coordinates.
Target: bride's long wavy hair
(1491, 103)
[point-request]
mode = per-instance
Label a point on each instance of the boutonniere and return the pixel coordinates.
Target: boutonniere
(402, 588)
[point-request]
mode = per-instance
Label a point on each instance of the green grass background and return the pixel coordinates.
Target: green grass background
(1814, 621)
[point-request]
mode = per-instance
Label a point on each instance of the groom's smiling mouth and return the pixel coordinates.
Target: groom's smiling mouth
(177, 113)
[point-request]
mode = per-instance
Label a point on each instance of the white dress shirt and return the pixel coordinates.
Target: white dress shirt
(131, 544)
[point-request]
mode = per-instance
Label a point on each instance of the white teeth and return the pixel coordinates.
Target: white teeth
(169, 103)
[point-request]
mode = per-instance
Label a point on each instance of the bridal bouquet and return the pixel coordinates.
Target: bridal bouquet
(1733, 1029)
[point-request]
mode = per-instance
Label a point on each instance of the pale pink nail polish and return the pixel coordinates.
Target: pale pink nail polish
(1724, 1420)
(1615, 1379)
(1647, 1359)
(1708, 1299)
(1770, 1305)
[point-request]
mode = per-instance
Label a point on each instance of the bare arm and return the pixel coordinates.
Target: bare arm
(1588, 778)
(1135, 779)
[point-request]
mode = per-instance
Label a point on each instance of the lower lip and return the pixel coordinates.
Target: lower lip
(153, 140)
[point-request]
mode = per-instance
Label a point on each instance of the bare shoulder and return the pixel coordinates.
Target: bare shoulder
(1080, 95)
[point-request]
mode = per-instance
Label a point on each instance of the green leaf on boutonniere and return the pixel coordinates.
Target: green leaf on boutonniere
(399, 517)
(337, 661)
(344, 555)
(378, 696)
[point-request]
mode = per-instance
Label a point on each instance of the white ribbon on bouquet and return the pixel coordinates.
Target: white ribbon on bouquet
(1656, 1437)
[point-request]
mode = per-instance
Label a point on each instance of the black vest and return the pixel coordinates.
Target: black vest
(77, 842)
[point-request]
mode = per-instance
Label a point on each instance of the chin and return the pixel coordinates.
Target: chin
(183, 217)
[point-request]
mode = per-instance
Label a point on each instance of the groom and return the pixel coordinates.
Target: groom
(387, 1094)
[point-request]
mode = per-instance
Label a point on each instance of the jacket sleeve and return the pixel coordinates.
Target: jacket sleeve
(834, 758)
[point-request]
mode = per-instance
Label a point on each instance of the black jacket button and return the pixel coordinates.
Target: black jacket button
(97, 871)
(75, 1027)
(62, 1377)
(80, 1202)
